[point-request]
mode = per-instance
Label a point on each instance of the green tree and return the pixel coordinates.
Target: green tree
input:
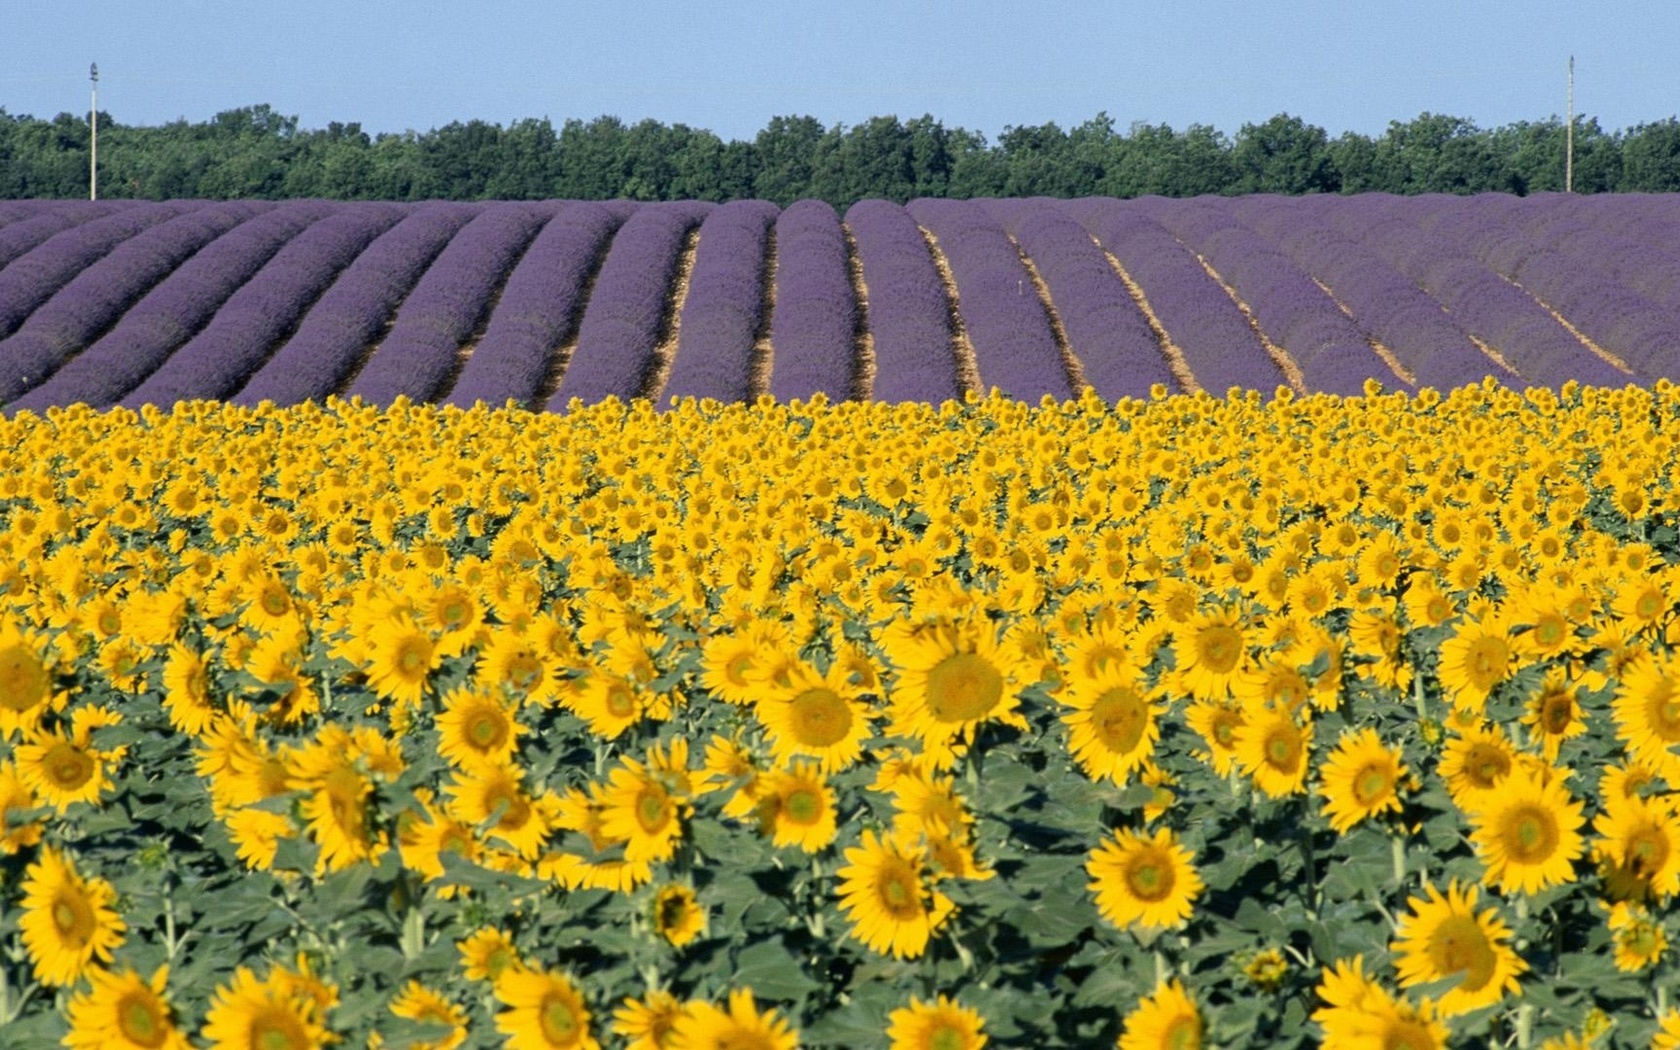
(1283, 155)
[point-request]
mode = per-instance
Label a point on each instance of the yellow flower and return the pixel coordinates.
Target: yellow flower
(1112, 726)
(644, 810)
(1668, 1031)
(885, 892)
(1210, 651)
(545, 1012)
(64, 770)
(1268, 969)
(952, 678)
(818, 716)
(1647, 712)
(650, 1023)
(402, 659)
(122, 1011)
(1638, 936)
(1361, 779)
(186, 691)
(1275, 748)
(1475, 763)
(796, 807)
(67, 919)
(943, 1024)
(16, 797)
(1359, 1012)
(1639, 845)
(416, 1002)
(608, 703)
(1527, 834)
(677, 914)
(27, 666)
(707, 1027)
(477, 795)
(477, 727)
(337, 801)
(1167, 1020)
(1474, 660)
(1218, 724)
(278, 1012)
(1445, 936)
(487, 954)
(1149, 882)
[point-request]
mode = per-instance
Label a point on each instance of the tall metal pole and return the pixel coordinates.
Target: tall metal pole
(93, 123)
(1569, 135)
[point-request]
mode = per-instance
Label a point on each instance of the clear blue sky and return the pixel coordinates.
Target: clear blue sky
(730, 65)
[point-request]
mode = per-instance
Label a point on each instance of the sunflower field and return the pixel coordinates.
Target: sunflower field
(1289, 721)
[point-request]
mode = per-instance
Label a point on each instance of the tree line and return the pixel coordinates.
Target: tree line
(255, 152)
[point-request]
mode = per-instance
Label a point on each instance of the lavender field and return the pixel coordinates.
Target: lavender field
(135, 303)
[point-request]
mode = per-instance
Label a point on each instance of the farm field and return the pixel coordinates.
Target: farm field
(1191, 721)
(134, 302)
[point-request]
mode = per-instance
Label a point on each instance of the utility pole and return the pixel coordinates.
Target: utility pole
(93, 125)
(1569, 135)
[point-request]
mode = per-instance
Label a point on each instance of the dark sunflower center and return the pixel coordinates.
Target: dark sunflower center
(821, 717)
(1149, 875)
(486, 729)
(558, 1021)
(963, 687)
(141, 1020)
(1529, 833)
(23, 678)
(73, 918)
(803, 806)
(1120, 719)
(1373, 784)
(1458, 945)
(68, 767)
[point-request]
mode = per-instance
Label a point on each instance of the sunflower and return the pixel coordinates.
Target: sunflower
(487, 954)
(608, 703)
(1444, 936)
(708, 1027)
(477, 727)
(1667, 1036)
(275, 1012)
(796, 807)
(1639, 847)
(1475, 762)
(416, 1002)
(1638, 937)
(951, 679)
(545, 1012)
(1149, 882)
(403, 657)
(1112, 726)
(1474, 660)
(423, 838)
(1554, 714)
(1646, 710)
(885, 892)
(677, 914)
(1167, 1020)
(67, 920)
(1527, 834)
(27, 666)
(337, 802)
(817, 716)
(1362, 778)
(650, 1023)
(1209, 651)
(186, 690)
(123, 1011)
(1218, 725)
(1359, 1012)
(497, 791)
(1274, 747)
(943, 1024)
(644, 810)
(453, 613)
(16, 797)
(64, 770)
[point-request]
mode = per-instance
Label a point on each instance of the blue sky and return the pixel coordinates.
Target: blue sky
(730, 65)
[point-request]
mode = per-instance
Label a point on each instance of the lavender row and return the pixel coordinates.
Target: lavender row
(907, 309)
(1624, 323)
(1293, 311)
(1426, 340)
(1482, 303)
(725, 305)
(418, 356)
(1014, 347)
(815, 318)
(621, 327)
(20, 237)
(94, 300)
(539, 307)
(331, 339)
(1219, 347)
(1105, 329)
(33, 278)
(263, 312)
(173, 311)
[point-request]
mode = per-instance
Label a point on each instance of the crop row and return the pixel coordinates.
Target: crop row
(139, 303)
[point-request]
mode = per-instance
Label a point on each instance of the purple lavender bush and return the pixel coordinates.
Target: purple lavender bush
(813, 328)
(539, 307)
(418, 356)
(1014, 348)
(330, 341)
(621, 324)
(906, 309)
(176, 308)
(31, 279)
(95, 299)
(725, 306)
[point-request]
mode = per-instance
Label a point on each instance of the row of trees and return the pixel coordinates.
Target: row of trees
(257, 152)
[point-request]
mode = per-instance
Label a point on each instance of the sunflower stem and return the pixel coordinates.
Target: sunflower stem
(1397, 855)
(1525, 1026)
(1308, 862)
(1160, 968)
